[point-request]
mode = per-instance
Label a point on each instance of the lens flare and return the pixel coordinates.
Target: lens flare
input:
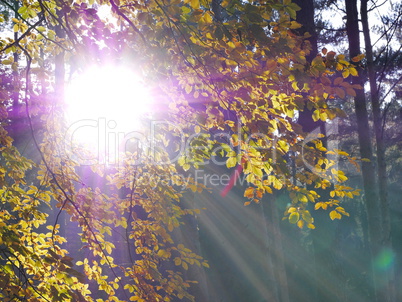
(105, 103)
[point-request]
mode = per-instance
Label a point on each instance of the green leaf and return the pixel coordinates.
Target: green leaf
(294, 217)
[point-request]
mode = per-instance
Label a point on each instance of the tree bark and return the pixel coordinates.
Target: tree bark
(276, 252)
(324, 282)
(15, 112)
(306, 18)
(380, 148)
(368, 170)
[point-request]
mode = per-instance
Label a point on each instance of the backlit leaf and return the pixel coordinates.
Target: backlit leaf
(195, 4)
(335, 215)
(294, 217)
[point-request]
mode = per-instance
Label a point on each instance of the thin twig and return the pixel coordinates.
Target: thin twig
(118, 11)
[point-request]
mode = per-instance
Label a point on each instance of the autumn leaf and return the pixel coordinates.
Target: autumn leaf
(294, 217)
(195, 4)
(335, 215)
(249, 192)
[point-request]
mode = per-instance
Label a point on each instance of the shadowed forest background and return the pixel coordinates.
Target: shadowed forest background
(267, 166)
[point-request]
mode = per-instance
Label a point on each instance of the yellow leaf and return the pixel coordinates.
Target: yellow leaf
(123, 223)
(323, 116)
(231, 44)
(294, 86)
(311, 226)
(162, 253)
(170, 227)
(353, 71)
(295, 25)
(45, 197)
(268, 189)
(231, 162)
(300, 224)
(188, 88)
(303, 198)
(345, 73)
(292, 209)
(318, 205)
(335, 215)
(343, 153)
(283, 145)
(108, 249)
(294, 217)
(177, 261)
(316, 115)
(195, 4)
(207, 18)
(205, 264)
(225, 3)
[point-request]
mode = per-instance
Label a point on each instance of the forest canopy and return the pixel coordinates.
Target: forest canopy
(235, 84)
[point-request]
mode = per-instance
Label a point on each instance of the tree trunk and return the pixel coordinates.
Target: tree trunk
(276, 252)
(59, 71)
(325, 280)
(380, 149)
(15, 112)
(368, 170)
(306, 18)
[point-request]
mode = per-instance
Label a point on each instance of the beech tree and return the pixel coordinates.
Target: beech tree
(230, 86)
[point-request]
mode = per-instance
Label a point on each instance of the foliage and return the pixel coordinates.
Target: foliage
(237, 83)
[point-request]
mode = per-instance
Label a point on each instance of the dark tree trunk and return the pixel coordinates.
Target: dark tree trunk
(306, 18)
(15, 114)
(380, 149)
(368, 170)
(276, 252)
(59, 70)
(325, 281)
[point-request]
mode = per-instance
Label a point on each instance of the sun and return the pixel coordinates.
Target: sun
(103, 104)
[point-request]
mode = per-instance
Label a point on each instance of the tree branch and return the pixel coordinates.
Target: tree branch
(135, 28)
